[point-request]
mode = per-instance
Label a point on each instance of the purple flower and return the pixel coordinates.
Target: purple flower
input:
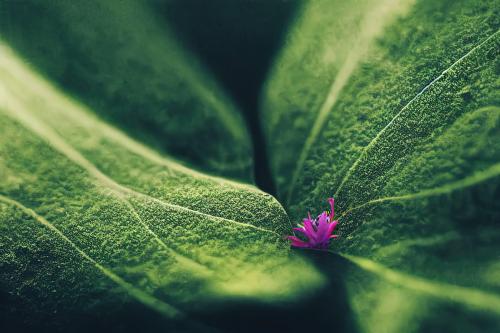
(318, 232)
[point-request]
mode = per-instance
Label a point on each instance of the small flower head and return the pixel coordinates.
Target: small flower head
(317, 232)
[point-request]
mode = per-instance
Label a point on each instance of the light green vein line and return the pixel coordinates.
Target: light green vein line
(19, 71)
(373, 24)
(427, 87)
(340, 81)
(212, 217)
(182, 259)
(136, 293)
(45, 132)
(463, 295)
(55, 141)
(479, 177)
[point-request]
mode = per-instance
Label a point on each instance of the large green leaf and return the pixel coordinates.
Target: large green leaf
(122, 60)
(94, 224)
(392, 107)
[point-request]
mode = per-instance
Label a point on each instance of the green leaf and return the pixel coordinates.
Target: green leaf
(95, 225)
(123, 61)
(393, 109)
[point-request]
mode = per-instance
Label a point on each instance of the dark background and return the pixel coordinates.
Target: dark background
(238, 41)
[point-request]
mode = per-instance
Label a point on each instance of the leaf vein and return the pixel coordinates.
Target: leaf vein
(18, 71)
(351, 170)
(373, 24)
(145, 298)
(42, 130)
(465, 295)
(183, 259)
(477, 178)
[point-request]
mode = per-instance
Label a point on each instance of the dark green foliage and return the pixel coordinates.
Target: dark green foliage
(120, 58)
(393, 107)
(238, 41)
(95, 225)
(397, 116)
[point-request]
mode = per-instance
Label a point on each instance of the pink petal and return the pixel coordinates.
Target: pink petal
(322, 227)
(311, 233)
(310, 236)
(296, 242)
(307, 219)
(332, 208)
(318, 231)
(331, 227)
(302, 230)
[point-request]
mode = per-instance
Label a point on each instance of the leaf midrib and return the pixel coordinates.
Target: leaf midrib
(354, 56)
(44, 131)
(20, 71)
(477, 178)
(364, 152)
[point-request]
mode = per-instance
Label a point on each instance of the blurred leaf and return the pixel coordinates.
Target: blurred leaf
(392, 108)
(238, 41)
(95, 225)
(121, 59)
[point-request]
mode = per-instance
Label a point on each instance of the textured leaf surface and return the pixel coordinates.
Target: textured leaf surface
(393, 108)
(122, 60)
(93, 224)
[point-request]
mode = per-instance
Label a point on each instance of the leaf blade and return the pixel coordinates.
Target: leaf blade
(409, 149)
(133, 71)
(187, 249)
